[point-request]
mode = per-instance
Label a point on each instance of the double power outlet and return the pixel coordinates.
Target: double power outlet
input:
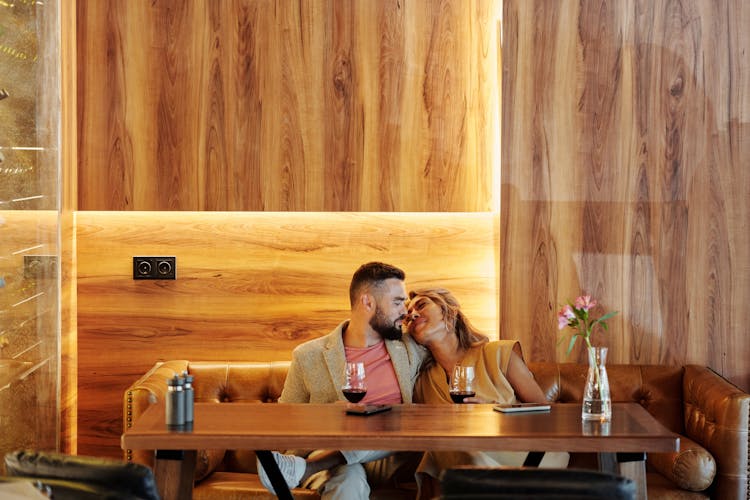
(154, 268)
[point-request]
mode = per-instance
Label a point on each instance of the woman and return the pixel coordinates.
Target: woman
(436, 321)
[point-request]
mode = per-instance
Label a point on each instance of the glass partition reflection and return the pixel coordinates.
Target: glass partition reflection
(29, 224)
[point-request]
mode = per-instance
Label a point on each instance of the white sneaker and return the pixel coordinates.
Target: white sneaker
(292, 469)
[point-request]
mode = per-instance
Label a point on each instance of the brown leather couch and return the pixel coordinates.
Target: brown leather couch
(709, 413)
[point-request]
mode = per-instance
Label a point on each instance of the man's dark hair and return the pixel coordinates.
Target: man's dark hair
(372, 274)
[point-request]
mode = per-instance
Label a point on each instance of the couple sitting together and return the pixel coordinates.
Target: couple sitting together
(400, 370)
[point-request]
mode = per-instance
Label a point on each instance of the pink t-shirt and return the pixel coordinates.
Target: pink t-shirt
(382, 384)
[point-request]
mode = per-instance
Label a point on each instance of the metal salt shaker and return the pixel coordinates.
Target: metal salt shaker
(189, 396)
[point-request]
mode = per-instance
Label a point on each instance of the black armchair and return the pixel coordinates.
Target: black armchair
(508, 483)
(81, 477)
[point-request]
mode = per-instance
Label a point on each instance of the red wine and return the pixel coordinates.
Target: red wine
(354, 395)
(458, 397)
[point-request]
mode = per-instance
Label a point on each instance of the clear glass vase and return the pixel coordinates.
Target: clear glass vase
(597, 403)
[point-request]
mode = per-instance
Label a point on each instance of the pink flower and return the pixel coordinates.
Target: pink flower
(576, 316)
(585, 302)
(564, 316)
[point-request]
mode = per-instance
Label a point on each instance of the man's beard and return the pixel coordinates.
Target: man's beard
(380, 324)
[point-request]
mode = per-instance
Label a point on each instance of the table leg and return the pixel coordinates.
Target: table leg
(274, 474)
(630, 465)
(174, 471)
(533, 459)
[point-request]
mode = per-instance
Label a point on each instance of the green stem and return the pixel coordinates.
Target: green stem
(596, 366)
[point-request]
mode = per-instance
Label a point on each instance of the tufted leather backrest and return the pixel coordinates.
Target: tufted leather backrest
(657, 388)
(227, 382)
(217, 382)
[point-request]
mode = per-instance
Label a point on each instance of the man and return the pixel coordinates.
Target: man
(372, 335)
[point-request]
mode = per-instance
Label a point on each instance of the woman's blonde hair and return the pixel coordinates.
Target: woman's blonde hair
(455, 319)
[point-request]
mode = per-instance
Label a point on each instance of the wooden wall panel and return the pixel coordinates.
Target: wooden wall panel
(625, 146)
(625, 151)
(250, 286)
(68, 198)
(318, 105)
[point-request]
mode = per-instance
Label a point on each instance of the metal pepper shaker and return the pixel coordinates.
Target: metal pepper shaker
(175, 403)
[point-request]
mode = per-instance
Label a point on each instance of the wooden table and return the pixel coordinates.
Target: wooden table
(405, 428)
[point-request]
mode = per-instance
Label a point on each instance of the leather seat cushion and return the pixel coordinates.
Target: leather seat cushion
(240, 486)
(206, 462)
(661, 488)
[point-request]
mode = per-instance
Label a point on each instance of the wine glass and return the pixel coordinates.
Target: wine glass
(462, 383)
(354, 388)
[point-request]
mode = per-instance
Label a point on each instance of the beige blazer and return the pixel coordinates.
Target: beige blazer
(317, 370)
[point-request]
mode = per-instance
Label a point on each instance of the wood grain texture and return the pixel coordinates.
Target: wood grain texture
(317, 105)
(626, 145)
(250, 286)
(625, 151)
(433, 427)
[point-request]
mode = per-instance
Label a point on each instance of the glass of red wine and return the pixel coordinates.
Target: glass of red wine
(354, 388)
(462, 383)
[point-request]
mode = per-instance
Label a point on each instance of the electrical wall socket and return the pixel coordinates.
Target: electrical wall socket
(154, 268)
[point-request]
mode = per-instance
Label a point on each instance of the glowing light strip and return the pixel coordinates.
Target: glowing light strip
(26, 300)
(37, 197)
(27, 249)
(27, 349)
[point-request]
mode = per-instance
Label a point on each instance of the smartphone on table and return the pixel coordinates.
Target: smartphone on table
(521, 407)
(355, 409)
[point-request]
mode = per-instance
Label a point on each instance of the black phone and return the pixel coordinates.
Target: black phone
(353, 409)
